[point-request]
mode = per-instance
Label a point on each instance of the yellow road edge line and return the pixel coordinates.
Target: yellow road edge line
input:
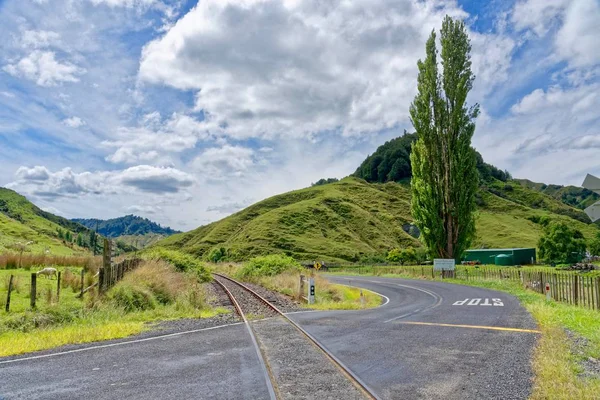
(494, 328)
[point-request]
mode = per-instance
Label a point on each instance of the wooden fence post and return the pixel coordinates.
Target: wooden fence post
(82, 282)
(58, 288)
(101, 280)
(33, 291)
(576, 290)
(10, 284)
(106, 270)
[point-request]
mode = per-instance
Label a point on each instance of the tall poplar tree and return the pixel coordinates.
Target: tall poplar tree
(444, 173)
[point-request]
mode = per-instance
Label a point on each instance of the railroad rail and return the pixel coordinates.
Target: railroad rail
(355, 380)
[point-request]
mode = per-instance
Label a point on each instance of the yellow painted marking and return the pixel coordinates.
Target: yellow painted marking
(494, 328)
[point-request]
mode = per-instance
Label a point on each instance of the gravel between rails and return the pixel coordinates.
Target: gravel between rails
(283, 302)
(300, 369)
(251, 306)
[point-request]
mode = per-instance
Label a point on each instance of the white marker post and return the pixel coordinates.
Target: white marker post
(311, 291)
(547, 291)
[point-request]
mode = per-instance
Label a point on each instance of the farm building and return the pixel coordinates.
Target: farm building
(501, 256)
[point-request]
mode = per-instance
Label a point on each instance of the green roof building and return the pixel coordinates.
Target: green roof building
(501, 256)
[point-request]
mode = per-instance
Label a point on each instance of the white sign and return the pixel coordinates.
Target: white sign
(479, 302)
(444, 264)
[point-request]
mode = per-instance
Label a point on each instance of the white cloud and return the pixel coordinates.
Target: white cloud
(39, 181)
(31, 39)
(577, 39)
(295, 69)
(37, 173)
(43, 68)
(226, 161)
(74, 122)
(155, 137)
(538, 15)
(143, 209)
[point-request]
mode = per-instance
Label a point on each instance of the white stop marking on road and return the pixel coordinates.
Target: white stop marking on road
(479, 302)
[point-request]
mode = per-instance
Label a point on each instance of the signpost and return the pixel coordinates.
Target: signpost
(444, 264)
(311, 290)
(317, 265)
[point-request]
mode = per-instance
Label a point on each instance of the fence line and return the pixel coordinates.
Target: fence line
(565, 286)
(112, 272)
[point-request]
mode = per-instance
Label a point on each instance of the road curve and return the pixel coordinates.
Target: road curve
(432, 340)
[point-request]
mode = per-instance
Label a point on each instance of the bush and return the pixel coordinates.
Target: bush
(268, 266)
(182, 261)
(404, 256)
(216, 254)
(561, 244)
(132, 297)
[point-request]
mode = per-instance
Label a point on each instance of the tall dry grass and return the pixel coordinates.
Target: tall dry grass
(157, 283)
(27, 261)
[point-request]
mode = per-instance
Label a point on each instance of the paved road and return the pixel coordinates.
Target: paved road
(459, 357)
(216, 363)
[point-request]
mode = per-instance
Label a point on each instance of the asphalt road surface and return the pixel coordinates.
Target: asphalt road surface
(430, 340)
(470, 350)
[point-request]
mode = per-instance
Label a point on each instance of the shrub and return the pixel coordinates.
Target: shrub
(132, 297)
(182, 261)
(216, 254)
(561, 244)
(269, 266)
(404, 256)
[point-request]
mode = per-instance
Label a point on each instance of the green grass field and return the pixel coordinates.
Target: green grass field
(153, 292)
(46, 290)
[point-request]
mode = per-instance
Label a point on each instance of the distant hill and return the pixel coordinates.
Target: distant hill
(573, 196)
(22, 222)
(130, 230)
(127, 225)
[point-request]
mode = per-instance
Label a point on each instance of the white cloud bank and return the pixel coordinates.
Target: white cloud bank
(302, 68)
(39, 181)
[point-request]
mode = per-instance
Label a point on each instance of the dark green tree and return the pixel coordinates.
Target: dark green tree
(594, 245)
(444, 174)
(80, 239)
(561, 244)
(93, 241)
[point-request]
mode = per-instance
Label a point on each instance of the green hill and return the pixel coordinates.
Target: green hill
(21, 222)
(353, 218)
(574, 196)
(131, 230)
(369, 214)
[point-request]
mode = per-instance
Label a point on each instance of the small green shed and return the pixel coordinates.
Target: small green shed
(518, 256)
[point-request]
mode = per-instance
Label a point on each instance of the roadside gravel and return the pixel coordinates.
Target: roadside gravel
(300, 369)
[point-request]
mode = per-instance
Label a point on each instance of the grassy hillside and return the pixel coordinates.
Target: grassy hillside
(351, 218)
(21, 222)
(574, 196)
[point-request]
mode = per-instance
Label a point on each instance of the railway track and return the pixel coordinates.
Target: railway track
(285, 380)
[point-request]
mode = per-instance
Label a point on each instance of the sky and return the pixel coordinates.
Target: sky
(185, 112)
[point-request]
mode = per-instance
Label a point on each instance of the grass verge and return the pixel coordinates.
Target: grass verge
(156, 291)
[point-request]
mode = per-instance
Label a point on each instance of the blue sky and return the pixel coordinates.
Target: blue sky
(185, 111)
